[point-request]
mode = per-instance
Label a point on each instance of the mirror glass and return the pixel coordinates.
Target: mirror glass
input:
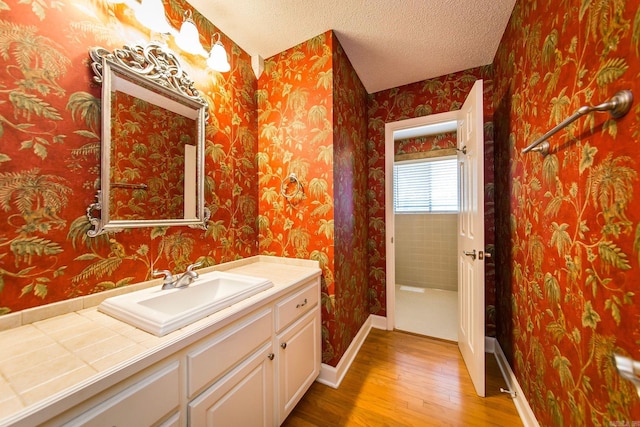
(152, 152)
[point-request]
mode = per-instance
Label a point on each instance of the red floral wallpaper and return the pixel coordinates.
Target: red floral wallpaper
(432, 96)
(569, 223)
(567, 244)
(50, 146)
(426, 143)
(312, 122)
(351, 308)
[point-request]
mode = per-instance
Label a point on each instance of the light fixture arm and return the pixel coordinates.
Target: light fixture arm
(187, 16)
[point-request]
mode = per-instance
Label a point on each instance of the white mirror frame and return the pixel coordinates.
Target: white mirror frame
(152, 69)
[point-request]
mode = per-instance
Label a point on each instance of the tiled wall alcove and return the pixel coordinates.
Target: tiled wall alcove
(426, 250)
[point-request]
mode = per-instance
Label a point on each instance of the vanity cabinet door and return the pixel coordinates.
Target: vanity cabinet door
(298, 358)
(243, 397)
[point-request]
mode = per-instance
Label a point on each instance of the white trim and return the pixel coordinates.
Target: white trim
(378, 322)
(489, 345)
(426, 130)
(257, 63)
(332, 376)
(522, 405)
(389, 129)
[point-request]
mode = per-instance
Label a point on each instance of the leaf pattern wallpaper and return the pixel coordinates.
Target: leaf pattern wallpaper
(424, 144)
(351, 307)
(431, 96)
(312, 122)
(562, 294)
(568, 224)
(50, 149)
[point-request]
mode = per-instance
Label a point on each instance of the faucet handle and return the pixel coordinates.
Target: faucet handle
(168, 277)
(194, 265)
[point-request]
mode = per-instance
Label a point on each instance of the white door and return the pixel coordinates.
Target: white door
(471, 237)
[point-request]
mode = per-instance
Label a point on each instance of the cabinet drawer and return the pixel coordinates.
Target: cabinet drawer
(144, 403)
(221, 353)
(291, 308)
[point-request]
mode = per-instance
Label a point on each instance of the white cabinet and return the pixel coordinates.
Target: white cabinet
(244, 397)
(207, 362)
(146, 402)
(249, 387)
(250, 369)
(298, 362)
(299, 346)
(291, 307)
(236, 365)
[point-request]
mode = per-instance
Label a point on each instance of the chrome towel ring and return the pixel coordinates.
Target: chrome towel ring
(287, 182)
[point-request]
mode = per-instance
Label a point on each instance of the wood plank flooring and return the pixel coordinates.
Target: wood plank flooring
(400, 379)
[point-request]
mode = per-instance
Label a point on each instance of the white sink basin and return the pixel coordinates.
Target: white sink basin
(160, 312)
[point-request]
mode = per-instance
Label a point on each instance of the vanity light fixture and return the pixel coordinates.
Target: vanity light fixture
(218, 56)
(188, 38)
(150, 13)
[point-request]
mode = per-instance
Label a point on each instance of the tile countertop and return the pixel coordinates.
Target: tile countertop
(54, 350)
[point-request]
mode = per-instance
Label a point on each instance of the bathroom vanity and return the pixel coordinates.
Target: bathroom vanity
(248, 364)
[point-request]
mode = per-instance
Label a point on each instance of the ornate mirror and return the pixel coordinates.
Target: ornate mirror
(152, 153)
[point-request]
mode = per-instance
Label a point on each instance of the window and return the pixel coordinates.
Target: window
(426, 186)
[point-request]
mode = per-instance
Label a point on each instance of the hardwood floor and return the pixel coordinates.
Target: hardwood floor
(400, 379)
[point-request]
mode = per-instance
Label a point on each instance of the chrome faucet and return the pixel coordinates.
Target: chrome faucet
(184, 280)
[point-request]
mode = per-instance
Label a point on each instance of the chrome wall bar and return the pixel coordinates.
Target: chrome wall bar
(628, 369)
(618, 106)
(128, 185)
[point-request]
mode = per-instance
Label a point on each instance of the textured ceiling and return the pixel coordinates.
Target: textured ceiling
(389, 42)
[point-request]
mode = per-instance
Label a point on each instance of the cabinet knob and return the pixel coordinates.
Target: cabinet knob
(271, 356)
(283, 345)
(303, 304)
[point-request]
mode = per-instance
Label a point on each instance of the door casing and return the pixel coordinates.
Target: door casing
(390, 128)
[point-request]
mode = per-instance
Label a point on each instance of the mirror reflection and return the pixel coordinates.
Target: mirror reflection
(152, 142)
(152, 159)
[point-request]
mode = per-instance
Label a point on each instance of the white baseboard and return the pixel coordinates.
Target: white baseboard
(520, 401)
(489, 345)
(332, 376)
(378, 322)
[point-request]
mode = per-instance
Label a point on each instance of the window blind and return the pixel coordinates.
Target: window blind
(426, 186)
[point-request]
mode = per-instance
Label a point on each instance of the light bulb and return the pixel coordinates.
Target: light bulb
(188, 38)
(218, 58)
(150, 13)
